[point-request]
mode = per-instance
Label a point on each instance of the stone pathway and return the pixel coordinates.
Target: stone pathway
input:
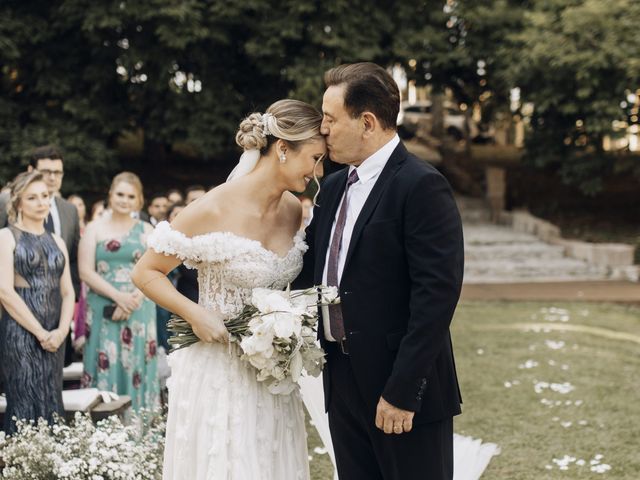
(599, 291)
(498, 254)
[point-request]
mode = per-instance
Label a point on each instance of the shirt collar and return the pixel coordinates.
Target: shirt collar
(373, 165)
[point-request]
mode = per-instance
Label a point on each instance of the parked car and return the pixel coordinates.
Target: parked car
(456, 124)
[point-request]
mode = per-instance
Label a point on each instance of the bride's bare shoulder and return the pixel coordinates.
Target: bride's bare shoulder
(293, 206)
(204, 215)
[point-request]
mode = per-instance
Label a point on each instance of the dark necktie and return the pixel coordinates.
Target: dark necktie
(336, 323)
(48, 224)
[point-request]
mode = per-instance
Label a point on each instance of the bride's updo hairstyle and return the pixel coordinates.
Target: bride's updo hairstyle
(293, 121)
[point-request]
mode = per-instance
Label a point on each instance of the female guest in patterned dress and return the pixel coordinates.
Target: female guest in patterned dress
(120, 351)
(38, 299)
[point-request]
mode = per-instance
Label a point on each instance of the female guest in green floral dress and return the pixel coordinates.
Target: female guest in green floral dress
(120, 352)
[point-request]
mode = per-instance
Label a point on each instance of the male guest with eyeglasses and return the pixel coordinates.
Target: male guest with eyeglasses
(63, 216)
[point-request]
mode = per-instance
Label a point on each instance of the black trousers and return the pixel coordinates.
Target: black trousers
(363, 452)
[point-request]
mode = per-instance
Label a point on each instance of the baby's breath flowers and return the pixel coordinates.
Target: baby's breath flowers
(82, 450)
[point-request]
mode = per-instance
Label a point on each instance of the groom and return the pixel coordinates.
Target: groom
(387, 232)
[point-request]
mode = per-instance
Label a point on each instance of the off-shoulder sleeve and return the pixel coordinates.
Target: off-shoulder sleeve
(299, 241)
(210, 248)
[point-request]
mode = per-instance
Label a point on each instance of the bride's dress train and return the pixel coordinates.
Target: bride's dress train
(470, 456)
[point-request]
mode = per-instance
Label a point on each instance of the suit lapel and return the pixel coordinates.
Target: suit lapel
(325, 222)
(61, 217)
(66, 220)
(394, 162)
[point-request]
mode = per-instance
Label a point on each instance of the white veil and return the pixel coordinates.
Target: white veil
(249, 158)
(246, 164)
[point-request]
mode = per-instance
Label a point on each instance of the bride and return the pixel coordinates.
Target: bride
(223, 423)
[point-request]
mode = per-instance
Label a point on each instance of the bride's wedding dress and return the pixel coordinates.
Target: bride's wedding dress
(223, 424)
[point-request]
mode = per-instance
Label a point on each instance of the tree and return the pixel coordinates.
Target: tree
(458, 45)
(573, 60)
(80, 73)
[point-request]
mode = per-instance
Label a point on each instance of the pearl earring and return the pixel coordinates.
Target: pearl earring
(283, 157)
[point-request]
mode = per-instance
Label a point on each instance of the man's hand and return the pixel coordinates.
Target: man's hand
(391, 419)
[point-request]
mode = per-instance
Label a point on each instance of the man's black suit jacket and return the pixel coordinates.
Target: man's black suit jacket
(399, 288)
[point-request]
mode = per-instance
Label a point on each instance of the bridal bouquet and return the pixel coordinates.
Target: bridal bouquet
(276, 332)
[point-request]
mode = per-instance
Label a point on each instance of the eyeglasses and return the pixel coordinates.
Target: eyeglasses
(53, 173)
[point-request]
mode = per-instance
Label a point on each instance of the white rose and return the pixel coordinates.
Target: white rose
(260, 342)
(286, 324)
(267, 301)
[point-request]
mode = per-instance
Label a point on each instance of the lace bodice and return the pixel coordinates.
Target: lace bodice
(229, 265)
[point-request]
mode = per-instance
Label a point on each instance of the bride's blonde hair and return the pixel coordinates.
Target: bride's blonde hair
(293, 121)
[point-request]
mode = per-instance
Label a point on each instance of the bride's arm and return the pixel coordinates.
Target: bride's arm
(150, 276)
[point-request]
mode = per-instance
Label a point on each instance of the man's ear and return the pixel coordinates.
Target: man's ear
(369, 123)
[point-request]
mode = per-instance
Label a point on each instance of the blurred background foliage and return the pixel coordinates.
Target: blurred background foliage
(174, 77)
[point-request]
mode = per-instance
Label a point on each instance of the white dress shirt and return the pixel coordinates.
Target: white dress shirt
(368, 173)
(55, 216)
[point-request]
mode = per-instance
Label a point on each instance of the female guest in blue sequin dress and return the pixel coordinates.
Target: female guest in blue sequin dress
(38, 299)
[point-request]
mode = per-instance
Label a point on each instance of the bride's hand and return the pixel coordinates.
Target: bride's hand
(209, 327)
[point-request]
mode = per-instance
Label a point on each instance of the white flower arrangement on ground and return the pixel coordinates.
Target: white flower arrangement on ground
(276, 332)
(108, 450)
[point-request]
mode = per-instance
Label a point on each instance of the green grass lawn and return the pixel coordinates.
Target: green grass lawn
(545, 384)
